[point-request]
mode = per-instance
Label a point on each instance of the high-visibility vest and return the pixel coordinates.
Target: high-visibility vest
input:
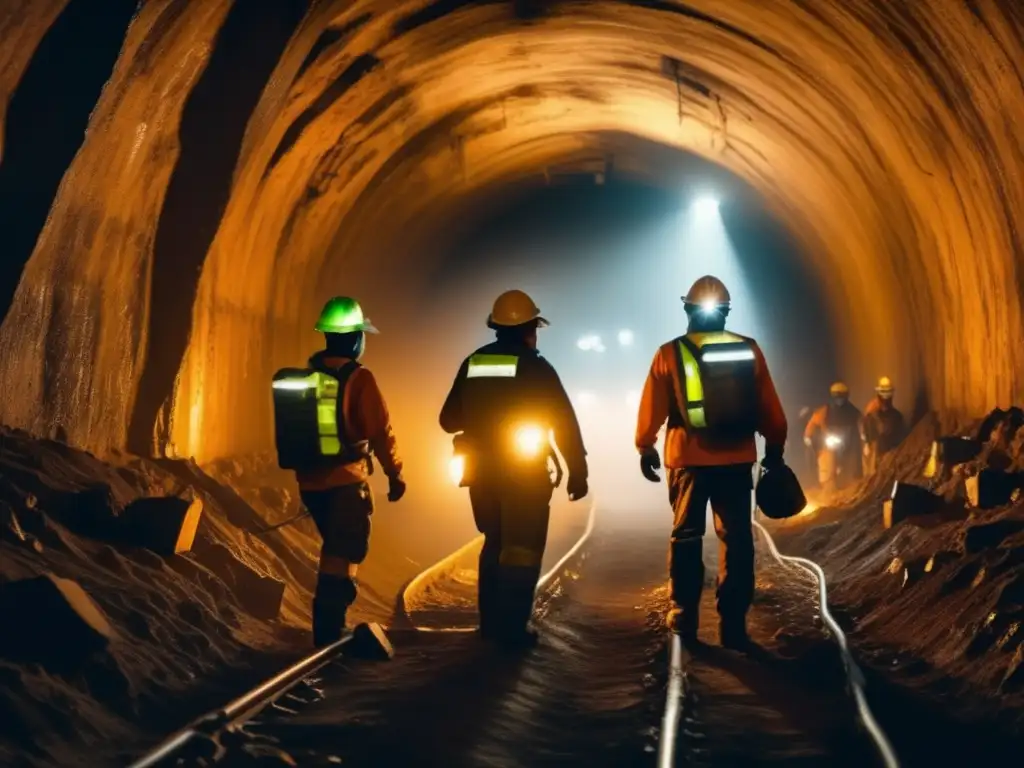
(309, 424)
(716, 385)
(501, 417)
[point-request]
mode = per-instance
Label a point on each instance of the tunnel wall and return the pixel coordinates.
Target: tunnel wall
(72, 342)
(25, 21)
(882, 131)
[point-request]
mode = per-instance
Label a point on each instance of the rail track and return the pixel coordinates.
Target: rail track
(680, 658)
(203, 738)
(210, 738)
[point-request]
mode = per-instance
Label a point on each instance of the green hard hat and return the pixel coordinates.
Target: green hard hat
(343, 315)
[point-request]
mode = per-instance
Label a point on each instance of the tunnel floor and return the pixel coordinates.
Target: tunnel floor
(592, 693)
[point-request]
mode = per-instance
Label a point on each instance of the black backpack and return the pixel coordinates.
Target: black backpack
(309, 423)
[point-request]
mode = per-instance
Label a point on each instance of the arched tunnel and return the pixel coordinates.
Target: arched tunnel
(184, 183)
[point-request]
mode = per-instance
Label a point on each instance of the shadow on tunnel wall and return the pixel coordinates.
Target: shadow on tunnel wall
(46, 121)
(214, 119)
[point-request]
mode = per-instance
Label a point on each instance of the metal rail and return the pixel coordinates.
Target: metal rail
(670, 720)
(677, 675)
(241, 708)
(543, 583)
(203, 729)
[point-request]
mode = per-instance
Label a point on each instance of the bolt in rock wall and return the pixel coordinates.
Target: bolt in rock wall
(71, 344)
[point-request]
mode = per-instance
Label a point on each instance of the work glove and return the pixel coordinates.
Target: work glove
(576, 488)
(396, 488)
(650, 461)
(772, 457)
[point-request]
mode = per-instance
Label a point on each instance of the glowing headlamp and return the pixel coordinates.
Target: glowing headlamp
(833, 441)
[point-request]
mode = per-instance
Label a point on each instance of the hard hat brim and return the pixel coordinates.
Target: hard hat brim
(540, 321)
(366, 327)
(719, 305)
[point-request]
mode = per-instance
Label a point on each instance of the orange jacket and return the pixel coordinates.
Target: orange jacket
(697, 450)
(366, 418)
(882, 425)
(845, 420)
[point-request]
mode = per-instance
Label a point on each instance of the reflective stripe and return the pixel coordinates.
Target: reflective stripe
(327, 414)
(729, 356)
(694, 387)
(296, 384)
(521, 557)
(492, 366)
(702, 340)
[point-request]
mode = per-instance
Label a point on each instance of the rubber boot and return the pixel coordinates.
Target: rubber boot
(489, 591)
(517, 589)
(334, 594)
(686, 569)
(732, 633)
(685, 624)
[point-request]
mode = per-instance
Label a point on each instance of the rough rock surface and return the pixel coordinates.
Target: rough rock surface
(935, 604)
(899, 114)
(193, 629)
(52, 622)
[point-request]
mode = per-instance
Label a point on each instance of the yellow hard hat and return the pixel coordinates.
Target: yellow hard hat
(885, 387)
(514, 308)
(709, 292)
(839, 389)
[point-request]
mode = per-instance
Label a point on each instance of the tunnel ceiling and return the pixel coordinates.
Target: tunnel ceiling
(884, 132)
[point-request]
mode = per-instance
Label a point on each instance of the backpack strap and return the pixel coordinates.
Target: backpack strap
(343, 375)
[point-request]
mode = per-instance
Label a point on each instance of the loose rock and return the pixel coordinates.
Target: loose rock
(52, 622)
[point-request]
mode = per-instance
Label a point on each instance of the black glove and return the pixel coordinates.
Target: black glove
(772, 457)
(576, 488)
(396, 488)
(650, 461)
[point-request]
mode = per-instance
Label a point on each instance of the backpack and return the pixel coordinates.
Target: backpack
(717, 379)
(309, 423)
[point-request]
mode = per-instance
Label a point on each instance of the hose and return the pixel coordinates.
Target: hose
(289, 521)
(853, 672)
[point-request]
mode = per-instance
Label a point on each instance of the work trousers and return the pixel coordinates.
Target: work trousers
(342, 515)
(514, 521)
(838, 470)
(728, 490)
(870, 459)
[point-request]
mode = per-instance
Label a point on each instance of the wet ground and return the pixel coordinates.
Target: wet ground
(784, 702)
(592, 693)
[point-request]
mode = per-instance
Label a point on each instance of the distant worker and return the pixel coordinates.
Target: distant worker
(883, 427)
(833, 433)
(715, 391)
(504, 404)
(330, 420)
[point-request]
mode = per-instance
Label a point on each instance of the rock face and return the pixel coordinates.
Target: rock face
(259, 594)
(365, 117)
(164, 525)
(52, 622)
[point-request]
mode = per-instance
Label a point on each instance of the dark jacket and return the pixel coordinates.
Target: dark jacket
(480, 407)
